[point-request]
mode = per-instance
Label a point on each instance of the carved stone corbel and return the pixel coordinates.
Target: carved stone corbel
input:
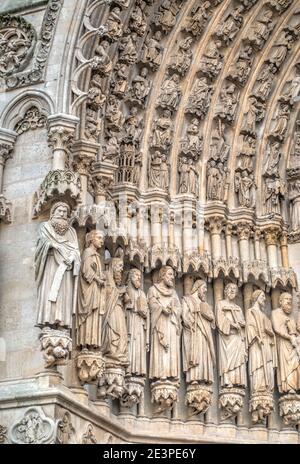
(231, 402)
(198, 397)
(165, 394)
(289, 409)
(90, 365)
(56, 346)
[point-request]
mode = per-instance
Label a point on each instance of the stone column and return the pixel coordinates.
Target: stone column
(61, 131)
(171, 230)
(187, 230)
(247, 295)
(7, 142)
(200, 228)
(156, 224)
(84, 153)
(271, 237)
(284, 249)
(257, 235)
(215, 225)
(244, 231)
(228, 239)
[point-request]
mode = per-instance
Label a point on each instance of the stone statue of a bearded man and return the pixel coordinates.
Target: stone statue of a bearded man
(57, 265)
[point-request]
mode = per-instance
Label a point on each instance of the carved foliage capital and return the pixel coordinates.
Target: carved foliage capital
(244, 230)
(271, 235)
(215, 224)
(60, 138)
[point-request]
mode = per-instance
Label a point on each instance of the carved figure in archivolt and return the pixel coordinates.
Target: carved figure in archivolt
(153, 51)
(114, 24)
(183, 58)
(212, 61)
(294, 197)
(57, 265)
(245, 188)
(274, 193)
(165, 311)
(188, 176)
(261, 29)
(262, 346)
(138, 20)
(198, 18)
(91, 293)
(140, 88)
(240, 70)
(162, 131)
(199, 356)
(170, 93)
(288, 346)
(230, 27)
(193, 142)
(101, 60)
(114, 327)
(232, 340)
(138, 324)
(159, 171)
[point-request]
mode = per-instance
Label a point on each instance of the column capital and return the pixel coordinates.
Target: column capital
(61, 131)
(271, 235)
(244, 230)
(215, 224)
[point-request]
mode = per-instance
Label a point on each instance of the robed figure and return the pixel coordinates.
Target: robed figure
(165, 312)
(114, 327)
(288, 346)
(232, 340)
(57, 265)
(91, 293)
(137, 324)
(198, 347)
(262, 346)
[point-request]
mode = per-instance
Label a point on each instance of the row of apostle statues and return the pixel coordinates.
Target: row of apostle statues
(118, 323)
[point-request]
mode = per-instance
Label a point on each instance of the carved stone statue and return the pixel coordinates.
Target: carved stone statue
(281, 49)
(232, 353)
(114, 326)
(261, 29)
(274, 193)
(65, 430)
(294, 197)
(288, 346)
(262, 358)
(165, 310)
(183, 58)
(273, 159)
(231, 26)
(101, 60)
(170, 93)
(193, 142)
(166, 15)
(162, 132)
(140, 88)
(138, 20)
(119, 81)
(240, 70)
(114, 114)
(114, 24)
(247, 154)
(282, 120)
(159, 171)
(199, 356)
(256, 112)
(138, 324)
(188, 179)
(216, 180)
(245, 188)
(128, 48)
(265, 80)
(91, 293)
(153, 50)
(212, 60)
(232, 340)
(57, 264)
(229, 97)
(199, 100)
(198, 18)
